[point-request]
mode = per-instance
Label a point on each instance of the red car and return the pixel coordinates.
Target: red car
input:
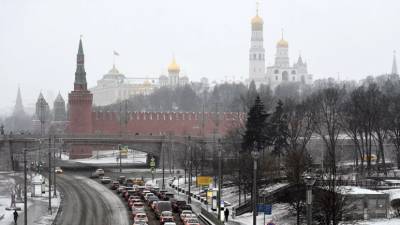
(166, 216)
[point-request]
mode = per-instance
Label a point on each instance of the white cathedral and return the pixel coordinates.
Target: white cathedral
(280, 71)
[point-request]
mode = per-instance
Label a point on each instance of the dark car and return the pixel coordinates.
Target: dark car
(177, 205)
(161, 207)
(114, 185)
(184, 207)
(121, 179)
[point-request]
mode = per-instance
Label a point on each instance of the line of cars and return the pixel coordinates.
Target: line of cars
(139, 197)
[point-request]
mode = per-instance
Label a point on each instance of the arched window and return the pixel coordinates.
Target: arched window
(285, 76)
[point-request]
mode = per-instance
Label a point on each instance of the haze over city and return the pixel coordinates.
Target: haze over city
(38, 39)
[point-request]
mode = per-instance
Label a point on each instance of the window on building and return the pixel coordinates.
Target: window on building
(293, 71)
(276, 77)
(293, 78)
(276, 71)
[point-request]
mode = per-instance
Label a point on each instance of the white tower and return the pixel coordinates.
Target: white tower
(282, 53)
(257, 51)
(173, 73)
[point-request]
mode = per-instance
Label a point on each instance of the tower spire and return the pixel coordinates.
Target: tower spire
(18, 108)
(257, 7)
(80, 74)
(394, 64)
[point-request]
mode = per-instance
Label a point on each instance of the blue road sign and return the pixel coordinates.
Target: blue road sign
(267, 209)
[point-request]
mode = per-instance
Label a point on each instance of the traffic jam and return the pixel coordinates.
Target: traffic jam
(148, 204)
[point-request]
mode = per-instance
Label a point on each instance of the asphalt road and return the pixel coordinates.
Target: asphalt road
(86, 202)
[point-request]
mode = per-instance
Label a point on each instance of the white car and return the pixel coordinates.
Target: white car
(58, 170)
(169, 223)
(105, 180)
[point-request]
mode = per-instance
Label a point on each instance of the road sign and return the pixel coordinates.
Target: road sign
(152, 162)
(267, 209)
(204, 180)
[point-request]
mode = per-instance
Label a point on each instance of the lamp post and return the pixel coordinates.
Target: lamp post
(309, 180)
(25, 189)
(255, 154)
(219, 193)
(190, 173)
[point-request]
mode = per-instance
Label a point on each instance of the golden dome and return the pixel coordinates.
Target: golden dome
(174, 67)
(257, 20)
(282, 43)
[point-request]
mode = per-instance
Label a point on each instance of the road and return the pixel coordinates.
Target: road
(87, 202)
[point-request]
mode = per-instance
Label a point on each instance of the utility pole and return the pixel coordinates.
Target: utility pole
(215, 136)
(25, 189)
(120, 159)
(163, 164)
(49, 166)
(190, 173)
(255, 153)
(54, 166)
(219, 193)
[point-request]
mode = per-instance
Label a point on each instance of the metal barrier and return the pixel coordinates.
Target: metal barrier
(211, 217)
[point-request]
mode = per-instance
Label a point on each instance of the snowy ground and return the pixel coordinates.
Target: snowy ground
(37, 207)
(111, 157)
(394, 221)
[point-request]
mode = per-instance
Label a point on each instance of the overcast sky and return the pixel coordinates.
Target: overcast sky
(39, 39)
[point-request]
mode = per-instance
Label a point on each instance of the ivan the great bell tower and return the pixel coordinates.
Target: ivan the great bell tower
(80, 99)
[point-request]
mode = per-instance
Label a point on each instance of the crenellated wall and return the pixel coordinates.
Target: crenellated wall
(158, 123)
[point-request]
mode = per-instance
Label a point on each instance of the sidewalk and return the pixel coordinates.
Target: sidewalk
(37, 207)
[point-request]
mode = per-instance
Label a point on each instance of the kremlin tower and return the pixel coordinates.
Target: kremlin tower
(80, 99)
(80, 108)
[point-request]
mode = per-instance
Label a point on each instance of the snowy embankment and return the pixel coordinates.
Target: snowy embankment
(34, 203)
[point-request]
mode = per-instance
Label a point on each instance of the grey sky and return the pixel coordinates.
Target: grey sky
(39, 39)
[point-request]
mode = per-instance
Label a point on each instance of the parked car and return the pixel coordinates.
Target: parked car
(149, 194)
(161, 207)
(170, 223)
(166, 216)
(105, 180)
(58, 170)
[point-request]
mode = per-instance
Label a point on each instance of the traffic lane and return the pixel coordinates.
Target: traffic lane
(82, 204)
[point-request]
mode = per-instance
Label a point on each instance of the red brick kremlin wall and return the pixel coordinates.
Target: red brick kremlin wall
(159, 123)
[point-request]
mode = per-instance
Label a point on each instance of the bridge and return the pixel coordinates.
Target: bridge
(170, 148)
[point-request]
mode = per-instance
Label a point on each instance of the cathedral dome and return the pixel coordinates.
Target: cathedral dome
(174, 67)
(282, 44)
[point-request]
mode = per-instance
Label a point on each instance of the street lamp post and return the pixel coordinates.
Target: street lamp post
(190, 173)
(255, 154)
(219, 193)
(25, 189)
(309, 180)
(49, 166)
